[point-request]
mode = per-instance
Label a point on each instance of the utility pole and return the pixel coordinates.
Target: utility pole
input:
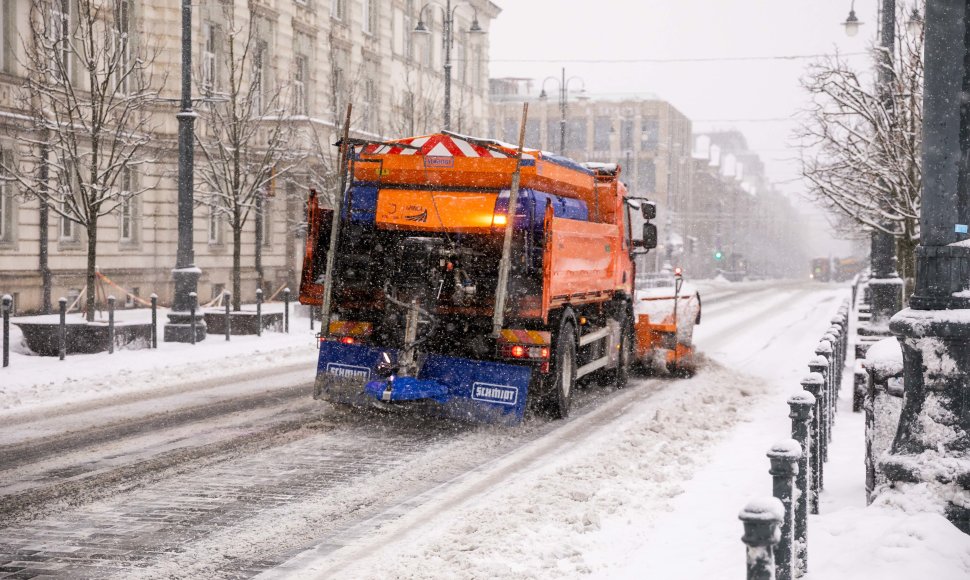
(932, 443)
(181, 326)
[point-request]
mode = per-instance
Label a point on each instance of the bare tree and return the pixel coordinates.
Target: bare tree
(419, 109)
(87, 90)
(245, 133)
(861, 143)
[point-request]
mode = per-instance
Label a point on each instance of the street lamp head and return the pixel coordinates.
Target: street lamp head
(915, 22)
(421, 28)
(475, 28)
(852, 24)
(543, 94)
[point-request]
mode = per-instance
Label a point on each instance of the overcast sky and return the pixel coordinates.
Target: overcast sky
(757, 96)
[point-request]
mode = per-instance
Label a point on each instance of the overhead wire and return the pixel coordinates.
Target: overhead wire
(676, 60)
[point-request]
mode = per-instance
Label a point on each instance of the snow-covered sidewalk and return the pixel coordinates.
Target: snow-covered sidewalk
(34, 383)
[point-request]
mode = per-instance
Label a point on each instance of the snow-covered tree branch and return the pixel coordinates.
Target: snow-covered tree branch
(245, 131)
(861, 142)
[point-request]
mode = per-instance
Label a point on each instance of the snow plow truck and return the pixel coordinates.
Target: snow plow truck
(472, 278)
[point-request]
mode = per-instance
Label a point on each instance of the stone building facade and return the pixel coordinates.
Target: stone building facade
(325, 53)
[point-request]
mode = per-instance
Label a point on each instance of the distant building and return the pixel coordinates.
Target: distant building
(738, 224)
(649, 138)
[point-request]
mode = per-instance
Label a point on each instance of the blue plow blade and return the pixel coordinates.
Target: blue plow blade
(446, 386)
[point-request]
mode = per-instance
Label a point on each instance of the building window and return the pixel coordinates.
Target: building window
(602, 126)
(371, 105)
(215, 227)
(460, 62)
(299, 85)
(649, 133)
(68, 231)
(267, 220)
(428, 57)
(123, 32)
(626, 134)
(338, 9)
(60, 22)
(7, 207)
(510, 130)
(127, 218)
(531, 134)
(259, 76)
(407, 103)
(646, 176)
(370, 16)
(6, 46)
(409, 29)
(209, 33)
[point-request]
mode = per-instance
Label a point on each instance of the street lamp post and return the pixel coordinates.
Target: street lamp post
(449, 27)
(563, 98)
(181, 327)
(885, 286)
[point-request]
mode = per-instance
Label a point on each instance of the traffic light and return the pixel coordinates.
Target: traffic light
(718, 255)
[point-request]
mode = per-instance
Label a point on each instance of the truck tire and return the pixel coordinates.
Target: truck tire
(620, 376)
(557, 388)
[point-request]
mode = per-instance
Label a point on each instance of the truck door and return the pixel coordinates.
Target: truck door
(319, 223)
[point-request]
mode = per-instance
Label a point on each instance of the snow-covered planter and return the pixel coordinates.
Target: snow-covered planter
(42, 337)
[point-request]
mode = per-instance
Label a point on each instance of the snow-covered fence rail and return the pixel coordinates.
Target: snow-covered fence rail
(57, 335)
(776, 528)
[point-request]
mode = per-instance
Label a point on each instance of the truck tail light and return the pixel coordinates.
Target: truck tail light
(348, 340)
(522, 351)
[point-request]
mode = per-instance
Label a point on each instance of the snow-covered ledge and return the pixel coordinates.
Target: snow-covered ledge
(932, 444)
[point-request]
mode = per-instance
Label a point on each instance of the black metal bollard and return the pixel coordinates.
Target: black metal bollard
(62, 329)
(286, 310)
(6, 304)
(761, 518)
(784, 456)
(228, 298)
(259, 312)
(111, 324)
(154, 320)
(193, 302)
(824, 350)
(801, 404)
(814, 385)
(834, 340)
(311, 316)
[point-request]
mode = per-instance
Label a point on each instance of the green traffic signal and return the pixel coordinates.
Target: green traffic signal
(718, 255)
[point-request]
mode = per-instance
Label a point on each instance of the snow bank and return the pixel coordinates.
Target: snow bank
(892, 541)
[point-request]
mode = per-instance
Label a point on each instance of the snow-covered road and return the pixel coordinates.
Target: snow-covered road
(238, 474)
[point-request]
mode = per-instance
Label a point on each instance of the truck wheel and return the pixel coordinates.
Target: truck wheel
(620, 376)
(558, 385)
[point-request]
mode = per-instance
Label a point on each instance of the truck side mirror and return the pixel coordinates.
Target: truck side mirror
(649, 211)
(649, 241)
